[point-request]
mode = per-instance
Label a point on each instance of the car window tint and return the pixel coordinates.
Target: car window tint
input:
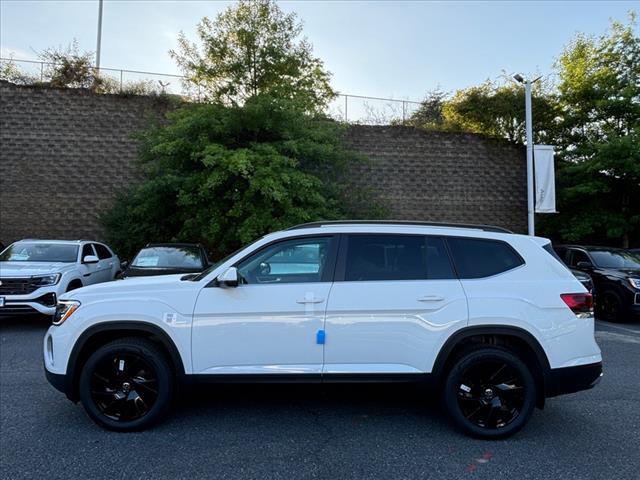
(438, 263)
(578, 256)
(396, 257)
(478, 258)
(291, 261)
(102, 251)
(87, 250)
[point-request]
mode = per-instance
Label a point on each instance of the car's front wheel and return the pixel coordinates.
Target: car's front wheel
(489, 392)
(127, 385)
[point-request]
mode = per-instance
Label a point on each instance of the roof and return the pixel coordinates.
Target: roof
(172, 244)
(332, 223)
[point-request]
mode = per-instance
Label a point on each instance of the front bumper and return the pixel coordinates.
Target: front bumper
(566, 380)
(41, 301)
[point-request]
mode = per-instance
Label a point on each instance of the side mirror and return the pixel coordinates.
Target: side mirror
(124, 265)
(90, 259)
(229, 278)
(584, 265)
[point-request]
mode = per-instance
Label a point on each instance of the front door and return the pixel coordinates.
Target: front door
(272, 321)
(394, 301)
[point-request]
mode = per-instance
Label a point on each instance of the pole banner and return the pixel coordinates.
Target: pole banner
(545, 179)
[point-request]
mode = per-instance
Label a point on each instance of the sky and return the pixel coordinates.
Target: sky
(396, 49)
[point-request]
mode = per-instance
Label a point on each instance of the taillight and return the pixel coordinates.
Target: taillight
(580, 303)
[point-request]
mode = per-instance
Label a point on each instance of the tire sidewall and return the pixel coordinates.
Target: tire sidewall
(452, 384)
(165, 386)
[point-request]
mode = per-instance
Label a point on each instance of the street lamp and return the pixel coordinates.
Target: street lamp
(531, 228)
(99, 41)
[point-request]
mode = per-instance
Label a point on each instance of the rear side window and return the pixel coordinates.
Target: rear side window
(479, 258)
(102, 251)
(396, 257)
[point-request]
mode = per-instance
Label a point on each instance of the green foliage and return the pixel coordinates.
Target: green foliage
(599, 168)
(493, 109)
(70, 68)
(225, 175)
(254, 48)
(429, 114)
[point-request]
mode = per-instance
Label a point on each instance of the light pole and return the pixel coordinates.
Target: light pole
(531, 224)
(99, 41)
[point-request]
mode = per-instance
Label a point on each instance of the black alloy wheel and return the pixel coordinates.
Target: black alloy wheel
(610, 307)
(126, 385)
(490, 393)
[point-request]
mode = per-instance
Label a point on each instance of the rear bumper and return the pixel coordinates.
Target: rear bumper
(573, 379)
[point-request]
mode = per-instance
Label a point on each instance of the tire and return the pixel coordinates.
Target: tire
(610, 307)
(489, 393)
(73, 285)
(127, 385)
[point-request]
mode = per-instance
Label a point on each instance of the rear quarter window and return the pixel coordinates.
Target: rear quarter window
(480, 258)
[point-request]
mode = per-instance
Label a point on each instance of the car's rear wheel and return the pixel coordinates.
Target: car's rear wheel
(489, 393)
(610, 307)
(126, 385)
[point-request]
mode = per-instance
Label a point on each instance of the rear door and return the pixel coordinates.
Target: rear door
(394, 300)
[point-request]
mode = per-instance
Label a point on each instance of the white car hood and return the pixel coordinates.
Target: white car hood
(131, 286)
(27, 269)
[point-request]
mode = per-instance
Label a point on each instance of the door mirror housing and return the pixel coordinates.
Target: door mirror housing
(229, 278)
(124, 265)
(584, 265)
(90, 259)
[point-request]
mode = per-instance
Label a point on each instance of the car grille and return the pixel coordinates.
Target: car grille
(16, 286)
(11, 310)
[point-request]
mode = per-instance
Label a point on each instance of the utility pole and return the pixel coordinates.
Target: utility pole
(531, 226)
(99, 41)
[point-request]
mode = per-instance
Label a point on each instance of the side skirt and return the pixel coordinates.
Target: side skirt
(310, 378)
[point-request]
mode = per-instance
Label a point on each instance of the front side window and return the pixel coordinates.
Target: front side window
(87, 250)
(40, 252)
(102, 251)
(577, 256)
(291, 261)
(479, 258)
(396, 257)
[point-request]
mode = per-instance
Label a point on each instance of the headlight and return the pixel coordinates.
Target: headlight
(45, 280)
(635, 282)
(64, 310)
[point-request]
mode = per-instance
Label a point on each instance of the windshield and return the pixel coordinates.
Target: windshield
(40, 252)
(168, 257)
(615, 258)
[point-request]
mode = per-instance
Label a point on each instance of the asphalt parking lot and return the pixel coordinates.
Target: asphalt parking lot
(316, 432)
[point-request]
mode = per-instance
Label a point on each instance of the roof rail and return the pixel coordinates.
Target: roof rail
(328, 223)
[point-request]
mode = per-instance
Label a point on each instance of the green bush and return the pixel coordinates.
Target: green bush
(224, 176)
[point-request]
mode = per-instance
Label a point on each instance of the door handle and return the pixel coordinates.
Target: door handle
(310, 300)
(431, 298)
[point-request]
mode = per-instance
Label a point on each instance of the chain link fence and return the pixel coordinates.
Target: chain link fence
(356, 109)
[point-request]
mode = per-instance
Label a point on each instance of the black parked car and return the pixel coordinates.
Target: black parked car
(167, 259)
(584, 278)
(616, 278)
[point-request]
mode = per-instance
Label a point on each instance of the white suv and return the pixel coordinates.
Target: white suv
(34, 273)
(488, 317)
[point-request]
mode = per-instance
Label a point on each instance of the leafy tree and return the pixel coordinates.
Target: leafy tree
(497, 110)
(430, 114)
(69, 67)
(599, 171)
(254, 48)
(224, 175)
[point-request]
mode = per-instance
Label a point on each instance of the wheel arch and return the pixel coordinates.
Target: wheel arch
(523, 343)
(104, 332)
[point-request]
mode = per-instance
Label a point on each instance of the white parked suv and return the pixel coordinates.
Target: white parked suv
(34, 273)
(490, 318)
